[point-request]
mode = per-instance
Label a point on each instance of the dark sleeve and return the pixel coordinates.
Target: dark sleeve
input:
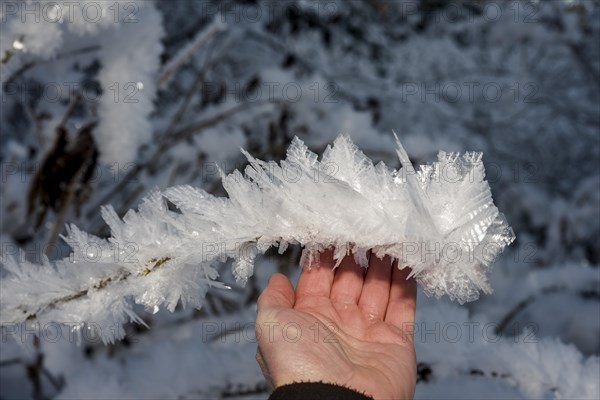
(316, 391)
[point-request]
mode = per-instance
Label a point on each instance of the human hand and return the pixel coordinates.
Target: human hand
(341, 326)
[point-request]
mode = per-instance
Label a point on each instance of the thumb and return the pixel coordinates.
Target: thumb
(278, 293)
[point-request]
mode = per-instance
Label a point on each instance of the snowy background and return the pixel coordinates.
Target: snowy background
(104, 101)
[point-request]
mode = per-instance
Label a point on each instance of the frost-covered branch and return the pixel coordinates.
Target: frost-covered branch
(440, 222)
(533, 367)
(186, 53)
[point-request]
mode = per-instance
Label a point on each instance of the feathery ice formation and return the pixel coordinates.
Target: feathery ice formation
(439, 221)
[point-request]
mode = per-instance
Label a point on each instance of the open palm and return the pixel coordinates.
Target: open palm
(340, 326)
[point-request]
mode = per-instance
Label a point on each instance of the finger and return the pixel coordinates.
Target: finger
(347, 282)
(317, 281)
(278, 293)
(375, 293)
(403, 297)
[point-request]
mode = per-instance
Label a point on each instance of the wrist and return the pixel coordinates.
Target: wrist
(316, 390)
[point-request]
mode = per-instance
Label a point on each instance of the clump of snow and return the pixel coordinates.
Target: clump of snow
(128, 96)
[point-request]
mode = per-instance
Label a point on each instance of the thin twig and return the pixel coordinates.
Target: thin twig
(523, 304)
(59, 56)
(9, 362)
(185, 54)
